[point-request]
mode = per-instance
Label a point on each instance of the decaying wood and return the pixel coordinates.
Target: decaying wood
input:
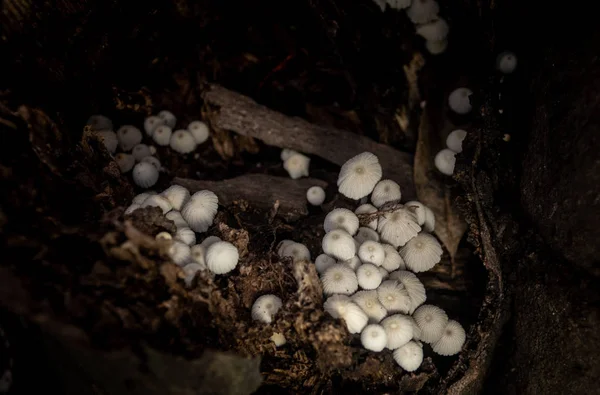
(261, 191)
(229, 110)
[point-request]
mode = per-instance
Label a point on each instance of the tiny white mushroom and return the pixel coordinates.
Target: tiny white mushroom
(394, 297)
(418, 209)
(353, 263)
(506, 62)
(199, 212)
(182, 142)
(286, 153)
(168, 118)
(370, 304)
(393, 260)
(158, 201)
(371, 252)
(368, 276)
(297, 166)
(432, 321)
(139, 199)
(429, 224)
(445, 160)
(145, 175)
(109, 138)
(281, 246)
(414, 287)
(177, 219)
(129, 136)
(421, 253)
(459, 101)
(368, 209)
(140, 151)
(423, 11)
(359, 175)
(399, 330)
(341, 218)
(177, 195)
(163, 236)
(384, 192)
(265, 307)
(162, 135)
(340, 306)
(125, 162)
(151, 123)
(455, 139)
(436, 47)
(297, 251)
(278, 338)
(365, 234)
(373, 337)
(100, 122)
(339, 244)
(186, 235)
(221, 257)
(199, 131)
(315, 195)
(434, 31)
(323, 262)
(339, 279)
(409, 356)
(153, 161)
(398, 227)
(180, 253)
(452, 339)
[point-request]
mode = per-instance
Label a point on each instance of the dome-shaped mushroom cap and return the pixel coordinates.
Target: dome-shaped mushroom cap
(359, 175)
(109, 138)
(385, 191)
(394, 297)
(399, 330)
(384, 273)
(341, 218)
(436, 47)
(281, 246)
(221, 257)
(151, 123)
(145, 175)
(298, 252)
(323, 262)
(182, 142)
(429, 225)
(297, 166)
(180, 253)
(432, 321)
(210, 240)
(163, 236)
(414, 287)
(315, 195)
(140, 198)
(278, 339)
(140, 151)
(125, 162)
(199, 131)
(131, 209)
(168, 118)
(158, 201)
(369, 303)
(455, 139)
(421, 253)
(459, 101)
(129, 136)
(373, 337)
(365, 234)
(409, 356)
(340, 306)
(368, 276)
(506, 62)
(434, 31)
(398, 4)
(177, 219)
(199, 212)
(100, 122)
(162, 135)
(335, 305)
(393, 260)
(186, 235)
(371, 252)
(190, 271)
(153, 161)
(398, 227)
(452, 339)
(423, 11)
(199, 250)
(339, 279)
(339, 244)
(286, 153)
(368, 209)
(445, 160)
(353, 263)
(265, 307)
(418, 209)
(177, 196)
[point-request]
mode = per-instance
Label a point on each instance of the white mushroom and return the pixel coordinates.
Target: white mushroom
(153, 161)
(151, 123)
(398, 227)
(177, 219)
(190, 271)
(370, 304)
(365, 234)
(162, 135)
(131, 209)
(158, 201)
(199, 212)
(373, 337)
(140, 151)
(434, 31)
(421, 253)
(125, 162)
(414, 287)
(278, 339)
(180, 253)
(145, 175)
(281, 246)
(371, 252)
(100, 122)
(418, 209)
(452, 339)
(436, 47)
(429, 225)
(140, 198)
(186, 235)
(393, 260)
(297, 166)
(359, 175)
(323, 262)
(409, 356)
(177, 195)
(444, 161)
(199, 131)
(340, 306)
(315, 195)
(423, 11)
(368, 276)
(399, 330)
(506, 62)
(182, 141)
(384, 192)
(339, 244)
(109, 138)
(341, 218)
(163, 236)
(455, 139)
(265, 307)
(168, 118)
(432, 321)
(353, 263)
(459, 101)
(394, 297)
(368, 209)
(129, 136)
(286, 153)
(339, 279)
(221, 257)
(298, 252)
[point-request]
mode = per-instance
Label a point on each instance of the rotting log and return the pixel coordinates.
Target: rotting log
(228, 110)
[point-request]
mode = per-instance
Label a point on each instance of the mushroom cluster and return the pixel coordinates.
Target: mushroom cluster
(368, 265)
(192, 214)
(138, 157)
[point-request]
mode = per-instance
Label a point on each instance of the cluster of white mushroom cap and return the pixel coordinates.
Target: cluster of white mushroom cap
(368, 271)
(159, 128)
(192, 214)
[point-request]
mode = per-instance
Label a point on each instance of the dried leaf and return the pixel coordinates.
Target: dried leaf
(449, 226)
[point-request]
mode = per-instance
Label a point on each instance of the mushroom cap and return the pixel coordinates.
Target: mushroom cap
(452, 339)
(436, 47)
(368, 276)
(199, 250)
(418, 209)
(199, 212)
(100, 122)
(339, 279)
(109, 138)
(177, 219)
(371, 252)
(373, 337)
(429, 225)
(436, 30)
(151, 123)
(335, 305)
(182, 142)
(353, 263)
(339, 244)
(455, 139)
(177, 196)
(180, 253)
(367, 209)
(421, 253)
(145, 175)
(394, 297)
(221, 257)
(445, 161)
(409, 356)
(414, 287)
(315, 195)
(190, 271)
(186, 235)
(129, 136)
(459, 102)
(399, 330)
(199, 131)
(384, 273)
(265, 307)
(158, 201)
(163, 236)
(341, 218)
(125, 162)
(297, 165)
(423, 11)
(370, 304)
(506, 62)
(385, 191)
(393, 260)
(153, 161)
(298, 252)
(168, 118)
(281, 245)
(365, 234)
(286, 153)
(323, 262)
(140, 151)
(340, 306)
(432, 321)
(359, 175)
(398, 227)
(162, 135)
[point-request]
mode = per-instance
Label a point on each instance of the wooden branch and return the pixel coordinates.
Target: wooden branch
(262, 191)
(232, 111)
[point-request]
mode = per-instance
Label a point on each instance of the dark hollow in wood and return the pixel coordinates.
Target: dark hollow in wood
(240, 114)
(261, 191)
